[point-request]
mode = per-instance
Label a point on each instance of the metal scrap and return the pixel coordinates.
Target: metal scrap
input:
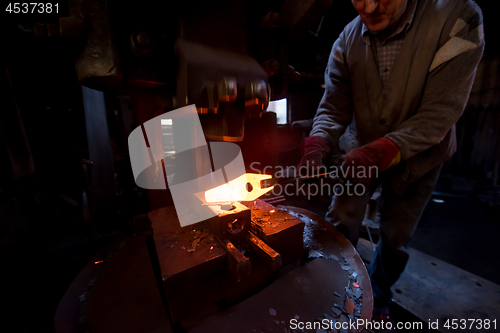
(349, 306)
(195, 243)
(260, 218)
(339, 307)
(200, 237)
(354, 292)
(310, 229)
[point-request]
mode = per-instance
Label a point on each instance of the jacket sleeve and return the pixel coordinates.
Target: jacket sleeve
(448, 86)
(334, 113)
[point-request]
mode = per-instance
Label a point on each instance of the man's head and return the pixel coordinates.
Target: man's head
(378, 15)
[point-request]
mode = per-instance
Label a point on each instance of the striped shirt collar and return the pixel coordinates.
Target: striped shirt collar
(404, 24)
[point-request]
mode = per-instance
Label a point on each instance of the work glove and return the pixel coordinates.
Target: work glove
(358, 165)
(315, 151)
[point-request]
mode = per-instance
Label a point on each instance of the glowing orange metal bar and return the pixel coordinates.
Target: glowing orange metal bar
(246, 187)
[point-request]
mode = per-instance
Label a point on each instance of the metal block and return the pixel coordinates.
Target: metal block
(199, 270)
(264, 251)
(278, 229)
(232, 220)
(193, 263)
(238, 264)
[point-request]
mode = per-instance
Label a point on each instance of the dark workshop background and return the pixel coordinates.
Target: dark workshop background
(45, 238)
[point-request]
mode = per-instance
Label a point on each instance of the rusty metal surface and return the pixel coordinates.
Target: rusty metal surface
(193, 263)
(238, 264)
(308, 293)
(278, 229)
(232, 224)
(199, 268)
(182, 248)
(323, 240)
(271, 257)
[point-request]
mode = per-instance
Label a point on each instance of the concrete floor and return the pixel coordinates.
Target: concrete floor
(462, 232)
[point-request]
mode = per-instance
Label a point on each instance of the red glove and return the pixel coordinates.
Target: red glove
(315, 150)
(358, 165)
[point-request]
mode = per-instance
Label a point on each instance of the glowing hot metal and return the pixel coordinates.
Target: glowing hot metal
(246, 187)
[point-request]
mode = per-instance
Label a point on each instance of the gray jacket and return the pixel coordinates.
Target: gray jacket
(425, 94)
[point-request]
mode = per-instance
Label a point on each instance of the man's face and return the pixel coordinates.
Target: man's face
(378, 15)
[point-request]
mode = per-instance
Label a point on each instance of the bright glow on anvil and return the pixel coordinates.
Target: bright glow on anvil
(236, 189)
